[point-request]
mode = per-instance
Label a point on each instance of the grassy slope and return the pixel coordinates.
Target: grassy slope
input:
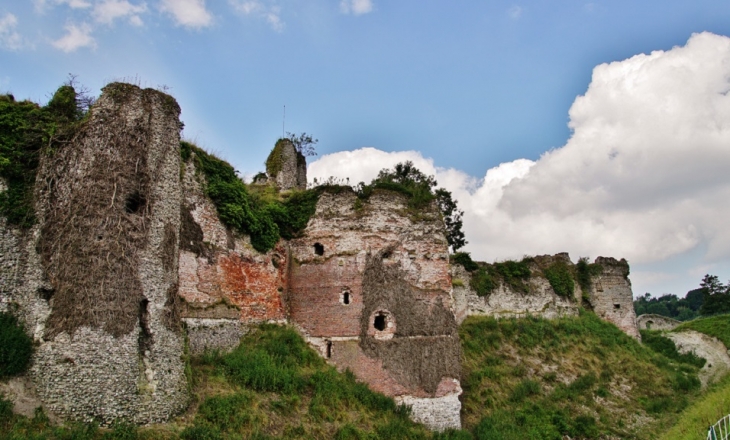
(695, 420)
(540, 379)
(272, 386)
(716, 326)
(523, 378)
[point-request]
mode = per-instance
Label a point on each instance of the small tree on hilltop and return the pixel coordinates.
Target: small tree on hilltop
(716, 296)
(304, 143)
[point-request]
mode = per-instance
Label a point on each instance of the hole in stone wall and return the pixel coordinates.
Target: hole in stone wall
(379, 322)
(346, 297)
(616, 306)
(318, 249)
(329, 349)
(46, 293)
(145, 335)
(649, 324)
(134, 203)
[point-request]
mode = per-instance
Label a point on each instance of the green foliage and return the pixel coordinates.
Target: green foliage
(16, 346)
(716, 296)
(560, 278)
(681, 309)
(264, 218)
(514, 273)
(420, 191)
(665, 346)
(715, 326)
(586, 271)
(547, 379)
(25, 130)
(482, 282)
(465, 260)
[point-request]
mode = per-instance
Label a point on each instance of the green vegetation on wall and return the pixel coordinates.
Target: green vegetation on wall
(486, 277)
(16, 346)
(585, 272)
(560, 278)
(25, 130)
(264, 215)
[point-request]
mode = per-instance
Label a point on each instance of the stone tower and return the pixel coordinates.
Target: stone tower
(287, 167)
(100, 268)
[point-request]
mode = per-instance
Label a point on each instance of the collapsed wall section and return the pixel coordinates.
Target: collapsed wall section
(100, 275)
(225, 284)
(370, 288)
(504, 301)
(608, 293)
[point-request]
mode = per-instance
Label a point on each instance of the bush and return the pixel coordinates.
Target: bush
(586, 271)
(666, 347)
(16, 347)
(560, 278)
(465, 260)
(482, 282)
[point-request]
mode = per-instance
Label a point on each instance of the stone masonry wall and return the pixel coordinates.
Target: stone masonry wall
(109, 348)
(655, 322)
(370, 289)
(225, 284)
(611, 296)
(504, 302)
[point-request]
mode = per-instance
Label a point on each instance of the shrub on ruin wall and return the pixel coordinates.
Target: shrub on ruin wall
(560, 278)
(16, 347)
(585, 273)
(25, 130)
(264, 217)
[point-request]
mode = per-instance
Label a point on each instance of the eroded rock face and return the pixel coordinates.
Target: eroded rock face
(371, 289)
(711, 349)
(225, 284)
(100, 268)
(287, 167)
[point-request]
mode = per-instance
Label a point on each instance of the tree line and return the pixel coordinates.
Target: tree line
(711, 298)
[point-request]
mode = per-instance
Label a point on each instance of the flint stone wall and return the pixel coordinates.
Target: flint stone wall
(82, 371)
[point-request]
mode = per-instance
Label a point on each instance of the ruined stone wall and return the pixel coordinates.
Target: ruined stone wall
(655, 322)
(10, 259)
(370, 288)
(504, 302)
(99, 270)
(225, 284)
(611, 297)
(286, 167)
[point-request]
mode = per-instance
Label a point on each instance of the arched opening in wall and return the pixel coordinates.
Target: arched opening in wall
(346, 297)
(134, 203)
(318, 249)
(649, 324)
(382, 325)
(329, 349)
(379, 322)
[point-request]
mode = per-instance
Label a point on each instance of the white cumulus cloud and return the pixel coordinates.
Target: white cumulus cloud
(75, 38)
(188, 13)
(109, 10)
(643, 176)
(10, 39)
(356, 7)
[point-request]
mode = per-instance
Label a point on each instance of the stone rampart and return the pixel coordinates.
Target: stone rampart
(651, 321)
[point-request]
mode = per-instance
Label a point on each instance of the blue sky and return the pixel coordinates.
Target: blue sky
(461, 86)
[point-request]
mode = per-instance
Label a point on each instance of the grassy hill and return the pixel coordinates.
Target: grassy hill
(715, 326)
(522, 378)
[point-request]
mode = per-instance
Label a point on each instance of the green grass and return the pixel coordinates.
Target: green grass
(715, 326)
(661, 344)
(694, 421)
(581, 377)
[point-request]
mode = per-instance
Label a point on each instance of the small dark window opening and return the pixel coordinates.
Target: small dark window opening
(649, 324)
(46, 293)
(379, 322)
(329, 349)
(134, 203)
(616, 306)
(318, 249)
(346, 298)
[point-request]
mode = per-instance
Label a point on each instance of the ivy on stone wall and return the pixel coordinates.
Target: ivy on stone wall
(16, 347)
(560, 278)
(25, 129)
